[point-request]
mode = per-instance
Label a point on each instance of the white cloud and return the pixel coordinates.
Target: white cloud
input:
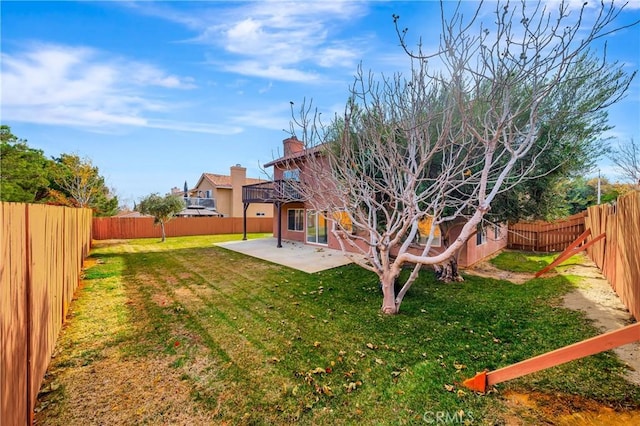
(273, 118)
(270, 71)
(83, 87)
(266, 89)
(273, 39)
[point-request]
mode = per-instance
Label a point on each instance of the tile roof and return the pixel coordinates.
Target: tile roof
(224, 181)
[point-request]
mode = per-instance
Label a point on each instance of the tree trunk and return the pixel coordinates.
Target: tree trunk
(448, 271)
(388, 295)
(163, 235)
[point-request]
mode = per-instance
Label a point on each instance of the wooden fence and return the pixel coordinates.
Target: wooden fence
(546, 236)
(105, 228)
(43, 248)
(618, 255)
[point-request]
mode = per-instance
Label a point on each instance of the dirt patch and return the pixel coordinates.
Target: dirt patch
(487, 270)
(563, 409)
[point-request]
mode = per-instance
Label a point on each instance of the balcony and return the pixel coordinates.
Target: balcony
(271, 192)
(203, 203)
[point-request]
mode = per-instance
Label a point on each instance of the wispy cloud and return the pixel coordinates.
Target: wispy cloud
(288, 41)
(266, 118)
(84, 87)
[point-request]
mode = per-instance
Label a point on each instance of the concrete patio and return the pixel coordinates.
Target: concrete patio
(294, 255)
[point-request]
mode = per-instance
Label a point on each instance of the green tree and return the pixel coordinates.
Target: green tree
(79, 180)
(163, 209)
(24, 171)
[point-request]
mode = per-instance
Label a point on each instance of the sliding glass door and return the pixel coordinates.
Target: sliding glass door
(316, 227)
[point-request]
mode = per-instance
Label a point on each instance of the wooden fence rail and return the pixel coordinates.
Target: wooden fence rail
(618, 255)
(42, 250)
(546, 236)
(105, 228)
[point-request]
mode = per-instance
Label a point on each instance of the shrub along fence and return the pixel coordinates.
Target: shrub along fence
(105, 228)
(546, 236)
(618, 255)
(43, 248)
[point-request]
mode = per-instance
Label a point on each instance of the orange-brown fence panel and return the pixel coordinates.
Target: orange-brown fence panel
(618, 256)
(546, 236)
(42, 252)
(13, 311)
(106, 228)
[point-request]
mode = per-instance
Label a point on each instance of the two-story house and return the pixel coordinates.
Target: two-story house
(296, 220)
(222, 194)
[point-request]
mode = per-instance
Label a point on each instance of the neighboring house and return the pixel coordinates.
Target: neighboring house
(221, 195)
(295, 220)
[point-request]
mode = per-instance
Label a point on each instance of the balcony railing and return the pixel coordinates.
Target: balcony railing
(195, 202)
(270, 192)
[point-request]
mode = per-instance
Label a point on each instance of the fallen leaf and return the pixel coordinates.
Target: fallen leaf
(371, 346)
(461, 393)
(316, 344)
(351, 386)
(448, 388)
(327, 390)
(379, 361)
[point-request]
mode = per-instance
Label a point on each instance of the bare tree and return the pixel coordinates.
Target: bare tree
(627, 161)
(442, 143)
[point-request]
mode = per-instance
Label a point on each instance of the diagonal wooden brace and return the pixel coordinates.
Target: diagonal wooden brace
(571, 250)
(594, 345)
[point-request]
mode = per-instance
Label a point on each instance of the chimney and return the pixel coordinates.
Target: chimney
(292, 146)
(238, 179)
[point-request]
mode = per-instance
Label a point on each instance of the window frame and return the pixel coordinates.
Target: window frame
(297, 215)
(291, 174)
(481, 235)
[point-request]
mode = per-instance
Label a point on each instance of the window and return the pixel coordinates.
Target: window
(207, 193)
(496, 232)
(481, 235)
(295, 219)
(424, 230)
(342, 221)
(291, 174)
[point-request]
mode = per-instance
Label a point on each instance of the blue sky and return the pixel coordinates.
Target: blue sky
(156, 93)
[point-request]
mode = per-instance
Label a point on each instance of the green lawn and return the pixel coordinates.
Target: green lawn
(516, 261)
(257, 343)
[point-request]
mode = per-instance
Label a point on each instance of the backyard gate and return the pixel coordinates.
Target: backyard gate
(546, 237)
